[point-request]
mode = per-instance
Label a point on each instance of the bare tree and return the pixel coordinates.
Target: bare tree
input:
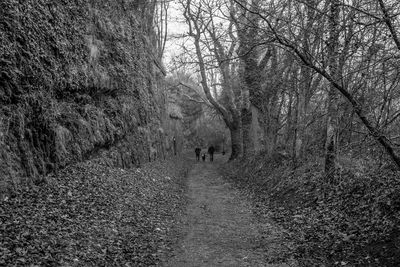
(343, 56)
(214, 50)
(161, 25)
(247, 24)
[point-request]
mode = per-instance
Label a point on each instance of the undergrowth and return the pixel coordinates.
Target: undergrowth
(352, 222)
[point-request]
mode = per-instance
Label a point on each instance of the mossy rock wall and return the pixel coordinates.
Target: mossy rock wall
(77, 77)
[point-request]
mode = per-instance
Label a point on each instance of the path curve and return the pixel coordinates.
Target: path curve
(220, 227)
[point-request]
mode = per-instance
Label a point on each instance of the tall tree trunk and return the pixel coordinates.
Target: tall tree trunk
(332, 120)
(302, 110)
(296, 88)
(249, 88)
(301, 128)
(252, 87)
(250, 77)
(306, 79)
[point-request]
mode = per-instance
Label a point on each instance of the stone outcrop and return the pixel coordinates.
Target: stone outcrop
(77, 78)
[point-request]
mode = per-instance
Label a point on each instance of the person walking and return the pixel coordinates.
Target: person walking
(197, 150)
(211, 151)
(174, 143)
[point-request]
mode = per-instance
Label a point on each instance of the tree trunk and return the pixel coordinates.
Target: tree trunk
(271, 126)
(236, 142)
(248, 142)
(331, 123)
(256, 126)
(289, 120)
(302, 111)
(304, 88)
(330, 142)
(251, 72)
(270, 135)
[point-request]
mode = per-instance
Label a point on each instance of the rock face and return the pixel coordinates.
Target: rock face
(77, 78)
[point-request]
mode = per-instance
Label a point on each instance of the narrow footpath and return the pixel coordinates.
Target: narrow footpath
(220, 229)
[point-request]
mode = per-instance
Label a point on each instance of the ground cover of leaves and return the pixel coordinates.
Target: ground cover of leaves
(91, 214)
(353, 222)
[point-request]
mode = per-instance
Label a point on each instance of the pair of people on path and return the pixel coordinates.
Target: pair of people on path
(210, 151)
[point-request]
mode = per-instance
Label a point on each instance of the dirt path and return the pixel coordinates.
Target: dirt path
(221, 229)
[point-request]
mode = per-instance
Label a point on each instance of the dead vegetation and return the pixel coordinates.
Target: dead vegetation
(92, 214)
(352, 222)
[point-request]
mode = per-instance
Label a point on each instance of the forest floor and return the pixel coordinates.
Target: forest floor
(177, 212)
(353, 221)
(220, 228)
(94, 214)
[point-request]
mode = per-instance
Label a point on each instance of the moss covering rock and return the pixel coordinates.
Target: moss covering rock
(76, 77)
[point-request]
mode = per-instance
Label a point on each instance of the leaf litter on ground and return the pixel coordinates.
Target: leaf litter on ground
(354, 222)
(91, 214)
